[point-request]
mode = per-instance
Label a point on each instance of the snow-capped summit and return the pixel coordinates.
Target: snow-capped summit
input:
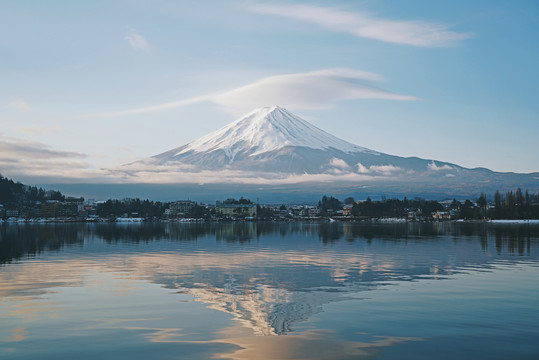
(273, 140)
(271, 145)
(264, 130)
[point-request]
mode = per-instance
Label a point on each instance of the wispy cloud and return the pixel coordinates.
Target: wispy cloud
(19, 105)
(23, 157)
(134, 173)
(362, 24)
(311, 90)
(155, 108)
(34, 130)
(16, 148)
(137, 41)
(149, 171)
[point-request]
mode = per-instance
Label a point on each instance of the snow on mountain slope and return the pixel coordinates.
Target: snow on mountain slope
(272, 146)
(271, 140)
(261, 131)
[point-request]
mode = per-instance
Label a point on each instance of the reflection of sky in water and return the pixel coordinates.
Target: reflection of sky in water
(334, 292)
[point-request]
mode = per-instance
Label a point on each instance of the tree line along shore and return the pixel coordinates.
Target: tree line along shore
(19, 202)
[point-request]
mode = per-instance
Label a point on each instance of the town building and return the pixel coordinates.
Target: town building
(236, 208)
(180, 208)
(441, 215)
(48, 208)
(12, 213)
(67, 210)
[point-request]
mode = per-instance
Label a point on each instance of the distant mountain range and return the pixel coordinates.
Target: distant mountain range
(273, 155)
(271, 149)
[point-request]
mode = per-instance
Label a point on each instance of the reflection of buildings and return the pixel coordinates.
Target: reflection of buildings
(236, 232)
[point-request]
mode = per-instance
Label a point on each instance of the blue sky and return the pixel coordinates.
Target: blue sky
(86, 85)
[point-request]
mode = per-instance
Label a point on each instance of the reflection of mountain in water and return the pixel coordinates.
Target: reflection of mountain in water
(267, 310)
(271, 276)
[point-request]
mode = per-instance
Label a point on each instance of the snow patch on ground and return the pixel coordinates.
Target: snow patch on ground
(530, 221)
(432, 166)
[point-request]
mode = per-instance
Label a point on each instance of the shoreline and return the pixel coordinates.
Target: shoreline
(310, 220)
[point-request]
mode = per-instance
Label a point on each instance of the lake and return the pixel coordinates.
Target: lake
(269, 291)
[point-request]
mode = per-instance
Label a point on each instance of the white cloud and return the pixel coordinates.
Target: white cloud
(140, 172)
(19, 105)
(339, 163)
(23, 159)
(362, 169)
(432, 166)
(19, 157)
(137, 41)
(362, 24)
(154, 108)
(384, 169)
(34, 130)
(153, 172)
(311, 90)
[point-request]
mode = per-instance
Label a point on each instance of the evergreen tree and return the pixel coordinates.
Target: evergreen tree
(482, 203)
(497, 205)
(527, 205)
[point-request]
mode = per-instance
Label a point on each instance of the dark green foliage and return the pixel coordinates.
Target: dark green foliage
(515, 206)
(497, 205)
(329, 204)
(14, 195)
(241, 201)
(132, 207)
(395, 207)
(198, 212)
(469, 211)
(264, 212)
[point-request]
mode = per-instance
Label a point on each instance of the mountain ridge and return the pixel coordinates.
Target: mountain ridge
(260, 131)
(273, 140)
(271, 146)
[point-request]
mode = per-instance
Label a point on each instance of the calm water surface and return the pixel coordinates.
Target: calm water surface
(269, 291)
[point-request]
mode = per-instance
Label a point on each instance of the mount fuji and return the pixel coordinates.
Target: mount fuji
(272, 140)
(272, 146)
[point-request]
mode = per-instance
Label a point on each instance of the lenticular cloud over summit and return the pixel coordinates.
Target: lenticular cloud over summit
(310, 90)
